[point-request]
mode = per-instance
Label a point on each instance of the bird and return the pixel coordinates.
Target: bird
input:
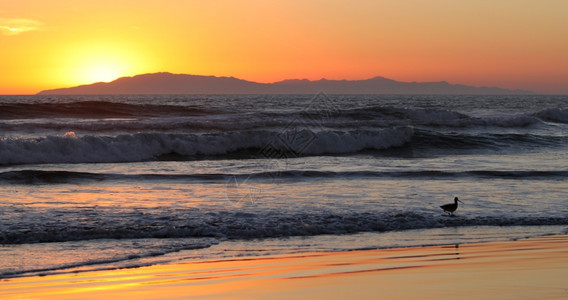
(451, 207)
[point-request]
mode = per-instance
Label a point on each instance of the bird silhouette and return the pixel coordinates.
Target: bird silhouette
(451, 207)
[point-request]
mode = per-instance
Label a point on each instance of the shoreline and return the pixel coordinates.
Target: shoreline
(534, 267)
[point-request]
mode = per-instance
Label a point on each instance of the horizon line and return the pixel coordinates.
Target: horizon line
(521, 91)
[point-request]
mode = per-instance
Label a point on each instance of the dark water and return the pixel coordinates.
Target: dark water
(114, 181)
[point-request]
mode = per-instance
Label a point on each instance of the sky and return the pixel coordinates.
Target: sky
(517, 44)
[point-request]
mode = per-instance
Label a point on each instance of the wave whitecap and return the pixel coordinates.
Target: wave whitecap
(150, 146)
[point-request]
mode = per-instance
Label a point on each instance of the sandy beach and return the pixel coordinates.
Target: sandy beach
(530, 268)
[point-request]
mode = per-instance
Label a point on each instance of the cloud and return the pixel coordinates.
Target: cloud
(17, 26)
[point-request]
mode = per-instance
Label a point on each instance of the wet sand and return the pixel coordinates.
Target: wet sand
(531, 268)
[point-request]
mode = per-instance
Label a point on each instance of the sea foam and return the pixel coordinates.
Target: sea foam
(72, 148)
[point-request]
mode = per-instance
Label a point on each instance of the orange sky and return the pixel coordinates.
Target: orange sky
(512, 44)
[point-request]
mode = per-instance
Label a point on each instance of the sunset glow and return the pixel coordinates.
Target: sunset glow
(511, 44)
(94, 62)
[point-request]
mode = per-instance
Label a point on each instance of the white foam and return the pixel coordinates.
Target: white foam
(72, 148)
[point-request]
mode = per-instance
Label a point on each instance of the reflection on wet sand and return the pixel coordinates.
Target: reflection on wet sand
(532, 268)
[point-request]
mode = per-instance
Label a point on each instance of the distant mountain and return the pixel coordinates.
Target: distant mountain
(167, 83)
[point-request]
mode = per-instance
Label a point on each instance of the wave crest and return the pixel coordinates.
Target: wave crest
(94, 109)
(553, 115)
(150, 146)
(243, 225)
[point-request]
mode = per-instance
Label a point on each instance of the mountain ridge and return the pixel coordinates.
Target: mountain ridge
(169, 83)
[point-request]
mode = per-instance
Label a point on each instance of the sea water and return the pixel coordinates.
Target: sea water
(104, 182)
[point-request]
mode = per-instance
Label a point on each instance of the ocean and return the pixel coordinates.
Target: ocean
(107, 182)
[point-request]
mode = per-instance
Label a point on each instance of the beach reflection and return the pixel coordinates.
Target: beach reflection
(503, 268)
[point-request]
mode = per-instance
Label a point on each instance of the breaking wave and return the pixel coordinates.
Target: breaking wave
(151, 146)
(553, 115)
(292, 142)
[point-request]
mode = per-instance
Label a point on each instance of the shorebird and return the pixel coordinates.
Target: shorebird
(451, 207)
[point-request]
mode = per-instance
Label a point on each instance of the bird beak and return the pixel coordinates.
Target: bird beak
(460, 201)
